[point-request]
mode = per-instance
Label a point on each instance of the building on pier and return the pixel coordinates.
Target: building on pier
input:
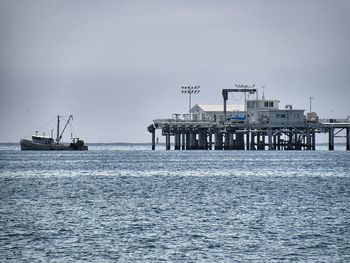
(214, 113)
(258, 125)
(267, 111)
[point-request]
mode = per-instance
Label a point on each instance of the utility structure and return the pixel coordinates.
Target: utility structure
(264, 126)
(242, 88)
(311, 98)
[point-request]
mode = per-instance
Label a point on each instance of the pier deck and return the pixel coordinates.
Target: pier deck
(202, 135)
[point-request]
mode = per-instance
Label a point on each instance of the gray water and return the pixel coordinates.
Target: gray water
(127, 203)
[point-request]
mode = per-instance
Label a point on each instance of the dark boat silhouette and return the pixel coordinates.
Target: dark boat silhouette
(44, 143)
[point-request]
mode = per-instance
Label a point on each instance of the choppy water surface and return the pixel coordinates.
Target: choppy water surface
(126, 203)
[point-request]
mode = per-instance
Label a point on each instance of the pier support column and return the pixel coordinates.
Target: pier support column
(239, 142)
(260, 141)
(252, 141)
(218, 141)
(152, 130)
(192, 140)
(230, 141)
(269, 134)
(202, 140)
(297, 145)
(153, 139)
(279, 141)
(296, 141)
(247, 140)
(188, 141)
(290, 140)
(167, 140)
(263, 141)
(226, 142)
(210, 143)
(195, 141)
(275, 142)
(331, 139)
(347, 139)
(183, 135)
(308, 140)
(313, 140)
(177, 140)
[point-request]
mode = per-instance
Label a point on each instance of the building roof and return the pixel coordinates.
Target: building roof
(281, 110)
(217, 108)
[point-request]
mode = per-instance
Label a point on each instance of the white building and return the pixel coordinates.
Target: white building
(267, 111)
(261, 111)
(215, 113)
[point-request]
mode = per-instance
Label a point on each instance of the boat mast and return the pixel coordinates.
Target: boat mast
(70, 118)
(58, 129)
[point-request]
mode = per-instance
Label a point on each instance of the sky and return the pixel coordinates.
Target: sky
(117, 65)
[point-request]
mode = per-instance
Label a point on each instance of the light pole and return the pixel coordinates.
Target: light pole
(311, 98)
(190, 90)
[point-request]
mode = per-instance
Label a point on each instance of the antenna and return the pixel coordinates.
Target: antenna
(263, 96)
(311, 98)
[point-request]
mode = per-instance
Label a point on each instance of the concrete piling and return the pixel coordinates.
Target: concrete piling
(177, 141)
(210, 141)
(247, 146)
(183, 145)
(331, 139)
(167, 140)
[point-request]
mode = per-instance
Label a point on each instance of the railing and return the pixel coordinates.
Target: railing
(331, 120)
(179, 121)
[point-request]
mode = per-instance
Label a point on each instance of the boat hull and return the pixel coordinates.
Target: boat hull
(27, 145)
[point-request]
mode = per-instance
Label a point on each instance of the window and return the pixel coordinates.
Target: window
(268, 104)
(251, 104)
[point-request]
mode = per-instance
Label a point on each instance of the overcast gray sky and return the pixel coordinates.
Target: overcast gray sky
(117, 65)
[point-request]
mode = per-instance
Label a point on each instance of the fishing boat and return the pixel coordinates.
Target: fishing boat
(45, 143)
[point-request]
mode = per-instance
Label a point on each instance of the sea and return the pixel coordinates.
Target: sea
(126, 203)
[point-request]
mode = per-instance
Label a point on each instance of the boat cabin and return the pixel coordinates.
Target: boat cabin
(42, 139)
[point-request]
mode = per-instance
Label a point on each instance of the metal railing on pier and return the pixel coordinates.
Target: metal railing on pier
(180, 121)
(331, 120)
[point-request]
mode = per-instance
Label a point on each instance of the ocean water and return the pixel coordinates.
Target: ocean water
(125, 203)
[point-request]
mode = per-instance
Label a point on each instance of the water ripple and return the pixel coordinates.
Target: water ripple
(138, 205)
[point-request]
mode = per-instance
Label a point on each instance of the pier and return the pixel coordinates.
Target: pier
(210, 136)
(260, 126)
